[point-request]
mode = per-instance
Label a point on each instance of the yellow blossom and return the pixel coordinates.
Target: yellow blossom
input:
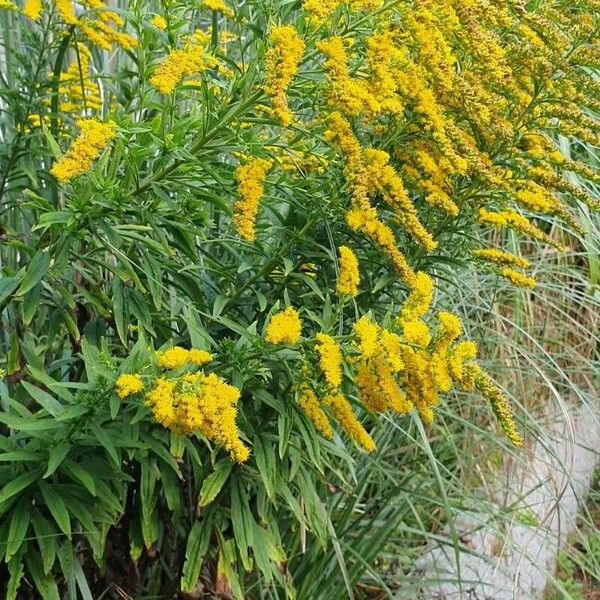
(180, 63)
(330, 359)
(173, 358)
(349, 275)
(344, 415)
(285, 327)
(517, 278)
(250, 181)
(499, 404)
(128, 385)
(311, 408)
(199, 357)
(32, 9)
(367, 332)
(282, 59)
(159, 22)
(218, 6)
(93, 138)
(500, 257)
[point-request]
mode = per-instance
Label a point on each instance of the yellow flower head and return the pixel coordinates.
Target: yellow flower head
(349, 276)
(199, 357)
(127, 385)
(344, 415)
(93, 138)
(330, 357)
(250, 179)
(32, 9)
(282, 61)
(218, 6)
(311, 408)
(367, 333)
(159, 22)
(173, 358)
(285, 327)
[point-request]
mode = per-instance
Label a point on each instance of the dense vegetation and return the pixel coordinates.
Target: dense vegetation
(231, 237)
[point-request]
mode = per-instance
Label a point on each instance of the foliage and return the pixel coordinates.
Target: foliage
(225, 229)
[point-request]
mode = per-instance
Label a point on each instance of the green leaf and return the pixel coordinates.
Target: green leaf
(36, 270)
(44, 583)
(106, 442)
(243, 522)
(196, 548)
(67, 560)
(212, 485)
(7, 286)
(45, 400)
(45, 536)
(149, 476)
(57, 507)
(19, 524)
(120, 309)
(150, 528)
(78, 473)
(265, 462)
(18, 484)
(55, 457)
(15, 570)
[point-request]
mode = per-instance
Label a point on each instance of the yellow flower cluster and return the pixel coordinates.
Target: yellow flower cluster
(77, 92)
(181, 63)
(499, 404)
(159, 22)
(250, 183)
(344, 415)
(127, 385)
(311, 407)
(330, 357)
(100, 31)
(93, 138)
(197, 402)
(218, 6)
(32, 9)
(500, 257)
(178, 357)
(282, 60)
(285, 327)
(349, 276)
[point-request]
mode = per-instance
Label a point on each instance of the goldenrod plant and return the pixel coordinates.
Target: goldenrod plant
(224, 229)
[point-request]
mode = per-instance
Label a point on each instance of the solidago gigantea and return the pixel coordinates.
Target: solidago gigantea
(282, 60)
(250, 186)
(94, 137)
(349, 275)
(285, 327)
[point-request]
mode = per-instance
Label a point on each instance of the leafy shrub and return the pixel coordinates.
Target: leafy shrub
(224, 230)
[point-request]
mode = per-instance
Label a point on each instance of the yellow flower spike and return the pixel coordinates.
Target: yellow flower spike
(330, 359)
(349, 276)
(159, 22)
(310, 406)
(499, 404)
(94, 137)
(180, 63)
(344, 415)
(458, 356)
(173, 358)
(126, 385)
(367, 332)
(199, 357)
(282, 60)
(32, 9)
(218, 6)
(250, 186)
(500, 257)
(517, 278)
(285, 327)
